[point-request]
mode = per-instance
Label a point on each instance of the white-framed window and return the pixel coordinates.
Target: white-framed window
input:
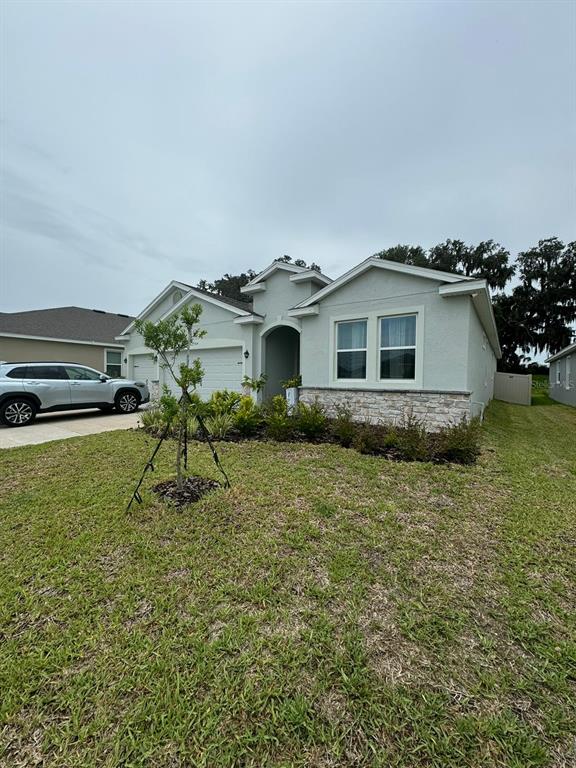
(569, 372)
(558, 379)
(114, 363)
(397, 347)
(351, 349)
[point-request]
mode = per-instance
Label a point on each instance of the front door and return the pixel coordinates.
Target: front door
(86, 385)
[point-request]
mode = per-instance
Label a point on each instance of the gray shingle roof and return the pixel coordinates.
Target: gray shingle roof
(73, 323)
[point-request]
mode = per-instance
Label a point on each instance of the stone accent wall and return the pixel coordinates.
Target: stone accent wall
(154, 387)
(434, 409)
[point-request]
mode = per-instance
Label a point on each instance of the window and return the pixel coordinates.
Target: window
(52, 372)
(398, 347)
(17, 373)
(558, 372)
(351, 349)
(82, 374)
(113, 363)
(569, 372)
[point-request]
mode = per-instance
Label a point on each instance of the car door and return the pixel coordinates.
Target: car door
(86, 385)
(50, 384)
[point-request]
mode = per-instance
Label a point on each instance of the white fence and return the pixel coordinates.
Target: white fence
(513, 388)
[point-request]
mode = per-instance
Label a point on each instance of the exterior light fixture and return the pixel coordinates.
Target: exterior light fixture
(246, 354)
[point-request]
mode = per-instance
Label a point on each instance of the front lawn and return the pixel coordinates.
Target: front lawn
(331, 609)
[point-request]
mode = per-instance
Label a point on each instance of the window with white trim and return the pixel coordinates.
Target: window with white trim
(558, 378)
(114, 363)
(351, 346)
(569, 372)
(398, 347)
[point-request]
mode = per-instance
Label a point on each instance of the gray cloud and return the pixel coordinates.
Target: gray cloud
(169, 140)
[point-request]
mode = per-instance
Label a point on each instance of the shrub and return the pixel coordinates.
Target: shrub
(199, 407)
(153, 419)
(368, 439)
(224, 401)
(219, 425)
(459, 443)
(193, 425)
(248, 417)
(310, 420)
(412, 440)
(343, 428)
(278, 422)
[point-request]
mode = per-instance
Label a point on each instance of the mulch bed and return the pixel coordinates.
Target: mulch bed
(193, 488)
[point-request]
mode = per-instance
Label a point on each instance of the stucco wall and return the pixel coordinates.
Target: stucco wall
(30, 350)
(280, 295)
(444, 323)
(560, 392)
(481, 364)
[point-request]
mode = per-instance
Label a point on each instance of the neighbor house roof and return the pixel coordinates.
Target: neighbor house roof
(66, 323)
(566, 351)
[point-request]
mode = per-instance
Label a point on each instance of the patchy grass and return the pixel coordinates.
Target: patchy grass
(331, 609)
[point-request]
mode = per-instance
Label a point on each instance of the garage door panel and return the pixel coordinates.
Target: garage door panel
(222, 370)
(144, 368)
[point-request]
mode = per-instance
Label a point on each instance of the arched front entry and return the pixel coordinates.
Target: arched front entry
(281, 358)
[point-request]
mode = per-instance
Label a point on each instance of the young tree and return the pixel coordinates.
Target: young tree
(169, 339)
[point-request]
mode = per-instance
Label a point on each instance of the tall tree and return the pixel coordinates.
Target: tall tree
(414, 255)
(546, 296)
(229, 285)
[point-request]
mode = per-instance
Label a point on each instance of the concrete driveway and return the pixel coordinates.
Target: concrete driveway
(57, 426)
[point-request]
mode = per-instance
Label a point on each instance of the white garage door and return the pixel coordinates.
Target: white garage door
(222, 370)
(144, 368)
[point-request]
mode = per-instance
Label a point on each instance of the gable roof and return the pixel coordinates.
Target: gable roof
(303, 273)
(242, 308)
(566, 351)
(154, 303)
(392, 266)
(69, 323)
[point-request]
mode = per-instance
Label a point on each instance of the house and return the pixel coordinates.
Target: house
(385, 339)
(72, 334)
(562, 375)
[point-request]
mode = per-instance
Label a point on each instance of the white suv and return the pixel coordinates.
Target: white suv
(30, 388)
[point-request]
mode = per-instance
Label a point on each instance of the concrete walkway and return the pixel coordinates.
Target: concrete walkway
(57, 426)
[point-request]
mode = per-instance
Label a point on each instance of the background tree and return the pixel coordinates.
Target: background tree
(546, 296)
(487, 259)
(229, 285)
(169, 339)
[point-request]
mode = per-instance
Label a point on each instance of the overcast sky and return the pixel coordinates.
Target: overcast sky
(148, 141)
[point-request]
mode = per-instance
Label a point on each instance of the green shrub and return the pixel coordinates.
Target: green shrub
(310, 420)
(224, 401)
(193, 425)
(459, 443)
(248, 416)
(368, 439)
(343, 428)
(153, 419)
(295, 381)
(278, 423)
(199, 407)
(219, 425)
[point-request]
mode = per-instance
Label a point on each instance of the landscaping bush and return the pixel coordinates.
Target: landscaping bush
(310, 420)
(460, 443)
(224, 401)
(153, 419)
(343, 428)
(219, 425)
(368, 438)
(248, 417)
(411, 440)
(193, 425)
(279, 425)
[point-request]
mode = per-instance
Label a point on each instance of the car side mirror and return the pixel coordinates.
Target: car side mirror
(103, 378)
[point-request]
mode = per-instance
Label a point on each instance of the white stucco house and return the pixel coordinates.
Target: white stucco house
(384, 339)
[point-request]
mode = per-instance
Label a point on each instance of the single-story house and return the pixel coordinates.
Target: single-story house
(562, 375)
(69, 334)
(384, 339)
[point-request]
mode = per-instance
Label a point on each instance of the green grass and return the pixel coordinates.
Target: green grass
(331, 609)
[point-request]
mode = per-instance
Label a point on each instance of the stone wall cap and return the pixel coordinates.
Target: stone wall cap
(391, 391)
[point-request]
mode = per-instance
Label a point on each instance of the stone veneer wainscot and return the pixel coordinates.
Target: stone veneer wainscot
(435, 409)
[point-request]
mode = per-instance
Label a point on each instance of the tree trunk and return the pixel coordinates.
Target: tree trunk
(182, 427)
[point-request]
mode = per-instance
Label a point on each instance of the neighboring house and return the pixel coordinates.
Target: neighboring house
(69, 334)
(562, 375)
(385, 339)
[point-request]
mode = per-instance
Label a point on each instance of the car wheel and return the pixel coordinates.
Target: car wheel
(127, 402)
(17, 412)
